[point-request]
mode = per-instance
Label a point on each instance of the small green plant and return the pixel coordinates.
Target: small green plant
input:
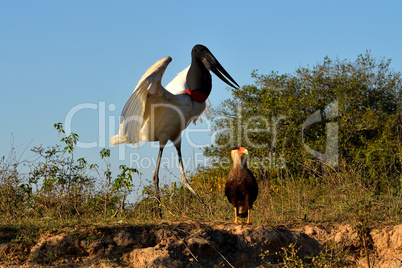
(287, 258)
(116, 190)
(58, 184)
(330, 256)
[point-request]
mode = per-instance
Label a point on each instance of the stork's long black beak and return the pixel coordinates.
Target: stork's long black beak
(213, 64)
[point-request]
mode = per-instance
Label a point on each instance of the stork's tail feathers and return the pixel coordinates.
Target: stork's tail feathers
(121, 137)
(117, 140)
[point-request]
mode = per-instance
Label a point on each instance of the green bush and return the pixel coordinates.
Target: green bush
(363, 98)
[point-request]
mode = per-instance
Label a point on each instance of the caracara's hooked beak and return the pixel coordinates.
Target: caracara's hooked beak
(242, 150)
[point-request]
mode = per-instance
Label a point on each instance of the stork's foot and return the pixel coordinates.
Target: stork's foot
(237, 221)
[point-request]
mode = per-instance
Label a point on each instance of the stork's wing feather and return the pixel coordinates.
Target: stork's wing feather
(131, 119)
(178, 86)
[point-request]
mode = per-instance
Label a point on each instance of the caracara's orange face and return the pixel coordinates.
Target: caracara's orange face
(242, 150)
(238, 153)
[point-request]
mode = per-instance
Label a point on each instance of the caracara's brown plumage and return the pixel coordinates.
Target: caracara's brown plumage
(241, 188)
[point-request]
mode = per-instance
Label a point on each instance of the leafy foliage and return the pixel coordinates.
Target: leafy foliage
(58, 185)
(274, 119)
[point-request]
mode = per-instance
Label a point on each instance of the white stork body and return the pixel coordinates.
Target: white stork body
(155, 113)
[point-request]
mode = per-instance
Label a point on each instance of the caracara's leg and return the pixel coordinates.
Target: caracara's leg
(236, 220)
(248, 216)
(248, 204)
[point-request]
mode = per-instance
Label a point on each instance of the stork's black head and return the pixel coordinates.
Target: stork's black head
(198, 76)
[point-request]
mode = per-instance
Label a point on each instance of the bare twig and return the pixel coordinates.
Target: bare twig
(218, 252)
(187, 248)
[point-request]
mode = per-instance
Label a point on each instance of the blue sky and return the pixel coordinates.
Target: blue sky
(87, 56)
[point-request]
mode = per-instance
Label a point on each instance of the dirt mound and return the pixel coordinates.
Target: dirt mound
(384, 246)
(192, 244)
(226, 245)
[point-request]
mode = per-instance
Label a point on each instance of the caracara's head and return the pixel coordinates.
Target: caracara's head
(239, 156)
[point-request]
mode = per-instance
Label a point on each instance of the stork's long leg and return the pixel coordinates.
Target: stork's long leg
(156, 173)
(183, 176)
(156, 176)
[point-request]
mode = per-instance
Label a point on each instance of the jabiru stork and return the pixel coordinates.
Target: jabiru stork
(155, 113)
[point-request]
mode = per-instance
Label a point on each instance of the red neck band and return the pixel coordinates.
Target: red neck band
(196, 95)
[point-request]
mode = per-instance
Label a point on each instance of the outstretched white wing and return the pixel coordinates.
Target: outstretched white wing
(132, 120)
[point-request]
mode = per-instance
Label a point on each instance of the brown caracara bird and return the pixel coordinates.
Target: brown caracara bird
(241, 188)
